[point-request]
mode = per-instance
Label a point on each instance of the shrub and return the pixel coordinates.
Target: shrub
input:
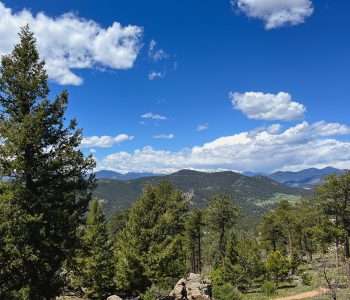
(150, 294)
(306, 279)
(269, 288)
(226, 292)
(278, 266)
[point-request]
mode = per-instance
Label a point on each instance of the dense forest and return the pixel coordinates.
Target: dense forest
(55, 239)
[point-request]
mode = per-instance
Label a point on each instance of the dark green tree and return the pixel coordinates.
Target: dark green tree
(150, 249)
(193, 236)
(221, 216)
(278, 266)
(49, 181)
(334, 199)
(94, 261)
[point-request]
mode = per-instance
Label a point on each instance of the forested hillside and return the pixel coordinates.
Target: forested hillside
(253, 194)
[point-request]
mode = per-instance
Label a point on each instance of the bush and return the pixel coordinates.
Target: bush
(150, 294)
(278, 266)
(306, 279)
(217, 276)
(269, 288)
(226, 292)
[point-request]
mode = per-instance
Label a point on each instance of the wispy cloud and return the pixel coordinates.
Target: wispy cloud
(156, 54)
(155, 75)
(153, 116)
(169, 136)
(202, 127)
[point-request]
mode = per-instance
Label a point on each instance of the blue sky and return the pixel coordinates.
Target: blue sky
(257, 85)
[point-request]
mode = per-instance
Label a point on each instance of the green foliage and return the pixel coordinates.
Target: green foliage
(269, 288)
(117, 222)
(306, 279)
(333, 197)
(249, 192)
(94, 261)
(49, 184)
(149, 295)
(226, 292)
(150, 249)
(243, 261)
(277, 266)
(221, 216)
(193, 239)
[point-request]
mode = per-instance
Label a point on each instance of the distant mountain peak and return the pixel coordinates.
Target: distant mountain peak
(306, 178)
(113, 175)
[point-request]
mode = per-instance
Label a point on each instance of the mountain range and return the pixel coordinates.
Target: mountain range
(253, 194)
(307, 179)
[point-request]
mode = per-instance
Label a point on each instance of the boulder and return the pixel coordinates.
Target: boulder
(114, 297)
(197, 288)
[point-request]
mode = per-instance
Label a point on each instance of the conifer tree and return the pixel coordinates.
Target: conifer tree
(193, 233)
(49, 181)
(221, 216)
(150, 249)
(95, 263)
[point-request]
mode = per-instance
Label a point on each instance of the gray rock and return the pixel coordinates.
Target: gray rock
(114, 297)
(196, 286)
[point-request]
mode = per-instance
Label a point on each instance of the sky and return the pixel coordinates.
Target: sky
(210, 85)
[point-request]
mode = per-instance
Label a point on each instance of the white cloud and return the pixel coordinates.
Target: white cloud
(156, 54)
(169, 136)
(105, 141)
(261, 106)
(155, 75)
(202, 127)
(276, 13)
(153, 116)
(262, 150)
(69, 43)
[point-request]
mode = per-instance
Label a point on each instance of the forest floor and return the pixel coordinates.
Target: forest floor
(306, 295)
(296, 290)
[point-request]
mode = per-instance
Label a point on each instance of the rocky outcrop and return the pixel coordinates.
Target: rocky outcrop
(197, 288)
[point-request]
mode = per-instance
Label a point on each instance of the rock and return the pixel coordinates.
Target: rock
(114, 297)
(69, 298)
(197, 288)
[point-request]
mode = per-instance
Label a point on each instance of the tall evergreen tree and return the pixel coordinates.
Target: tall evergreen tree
(94, 262)
(334, 197)
(49, 184)
(221, 216)
(193, 233)
(150, 249)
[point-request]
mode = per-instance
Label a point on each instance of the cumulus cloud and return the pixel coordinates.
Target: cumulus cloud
(276, 13)
(69, 43)
(104, 141)
(261, 106)
(153, 116)
(263, 150)
(155, 75)
(156, 54)
(169, 136)
(202, 127)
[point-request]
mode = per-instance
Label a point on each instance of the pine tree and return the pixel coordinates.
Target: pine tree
(150, 249)
(194, 226)
(95, 263)
(49, 181)
(221, 216)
